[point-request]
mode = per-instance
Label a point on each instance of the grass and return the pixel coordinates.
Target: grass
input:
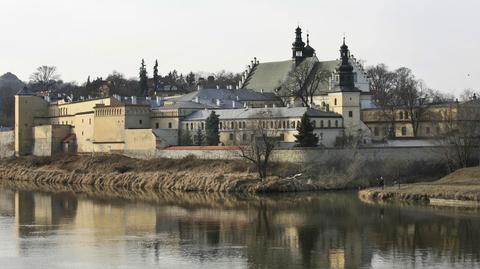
(463, 184)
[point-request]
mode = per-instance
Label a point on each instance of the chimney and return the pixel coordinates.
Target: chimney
(237, 98)
(199, 87)
(261, 91)
(218, 87)
(196, 99)
(233, 104)
(274, 105)
(134, 100)
(159, 101)
(218, 102)
(255, 60)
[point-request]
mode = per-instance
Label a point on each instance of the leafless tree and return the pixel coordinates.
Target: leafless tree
(462, 135)
(412, 95)
(45, 76)
(259, 150)
(382, 86)
(305, 81)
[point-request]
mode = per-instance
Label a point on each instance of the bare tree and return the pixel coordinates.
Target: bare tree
(382, 86)
(462, 134)
(45, 76)
(261, 147)
(412, 95)
(305, 81)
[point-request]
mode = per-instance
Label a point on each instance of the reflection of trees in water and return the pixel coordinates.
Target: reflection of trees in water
(326, 230)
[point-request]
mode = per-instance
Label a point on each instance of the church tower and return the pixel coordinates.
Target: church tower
(298, 46)
(345, 98)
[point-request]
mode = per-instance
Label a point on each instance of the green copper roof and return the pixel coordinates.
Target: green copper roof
(270, 76)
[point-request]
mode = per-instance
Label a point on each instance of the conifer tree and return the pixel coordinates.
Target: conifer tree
(305, 136)
(211, 129)
(186, 138)
(199, 137)
(143, 79)
(156, 78)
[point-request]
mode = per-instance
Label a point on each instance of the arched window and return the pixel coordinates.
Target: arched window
(400, 115)
(220, 125)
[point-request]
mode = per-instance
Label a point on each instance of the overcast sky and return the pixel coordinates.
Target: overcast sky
(437, 39)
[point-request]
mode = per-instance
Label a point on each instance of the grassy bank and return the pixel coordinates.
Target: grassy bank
(461, 185)
(190, 174)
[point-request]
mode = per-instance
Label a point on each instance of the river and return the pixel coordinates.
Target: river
(122, 229)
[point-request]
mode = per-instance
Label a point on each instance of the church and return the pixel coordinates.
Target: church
(344, 90)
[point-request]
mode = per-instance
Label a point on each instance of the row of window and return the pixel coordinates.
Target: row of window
(403, 131)
(108, 112)
(157, 125)
(263, 124)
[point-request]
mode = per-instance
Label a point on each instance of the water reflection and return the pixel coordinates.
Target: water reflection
(192, 230)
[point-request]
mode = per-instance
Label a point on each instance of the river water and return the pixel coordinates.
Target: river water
(115, 229)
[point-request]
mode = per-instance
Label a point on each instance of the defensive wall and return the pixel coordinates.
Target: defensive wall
(314, 155)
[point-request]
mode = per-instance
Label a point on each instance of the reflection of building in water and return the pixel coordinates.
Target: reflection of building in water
(7, 202)
(327, 231)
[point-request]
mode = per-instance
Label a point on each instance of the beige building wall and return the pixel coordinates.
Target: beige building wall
(48, 139)
(347, 104)
(26, 109)
(436, 121)
(242, 131)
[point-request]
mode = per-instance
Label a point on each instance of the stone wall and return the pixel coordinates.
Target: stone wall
(7, 144)
(321, 156)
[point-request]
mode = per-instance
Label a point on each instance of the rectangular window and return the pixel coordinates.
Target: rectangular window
(404, 131)
(350, 114)
(376, 131)
(156, 125)
(170, 125)
(140, 121)
(231, 137)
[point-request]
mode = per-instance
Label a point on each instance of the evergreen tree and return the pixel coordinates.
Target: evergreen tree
(156, 78)
(186, 138)
(199, 137)
(305, 136)
(211, 129)
(143, 79)
(190, 79)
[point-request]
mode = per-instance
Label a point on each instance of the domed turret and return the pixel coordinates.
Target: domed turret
(308, 51)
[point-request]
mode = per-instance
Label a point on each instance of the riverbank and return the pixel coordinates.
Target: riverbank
(460, 188)
(187, 174)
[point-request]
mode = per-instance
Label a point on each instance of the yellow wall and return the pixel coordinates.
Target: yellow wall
(345, 103)
(26, 109)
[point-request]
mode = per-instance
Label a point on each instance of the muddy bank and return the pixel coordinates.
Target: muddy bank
(114, 171)
(454, 189)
